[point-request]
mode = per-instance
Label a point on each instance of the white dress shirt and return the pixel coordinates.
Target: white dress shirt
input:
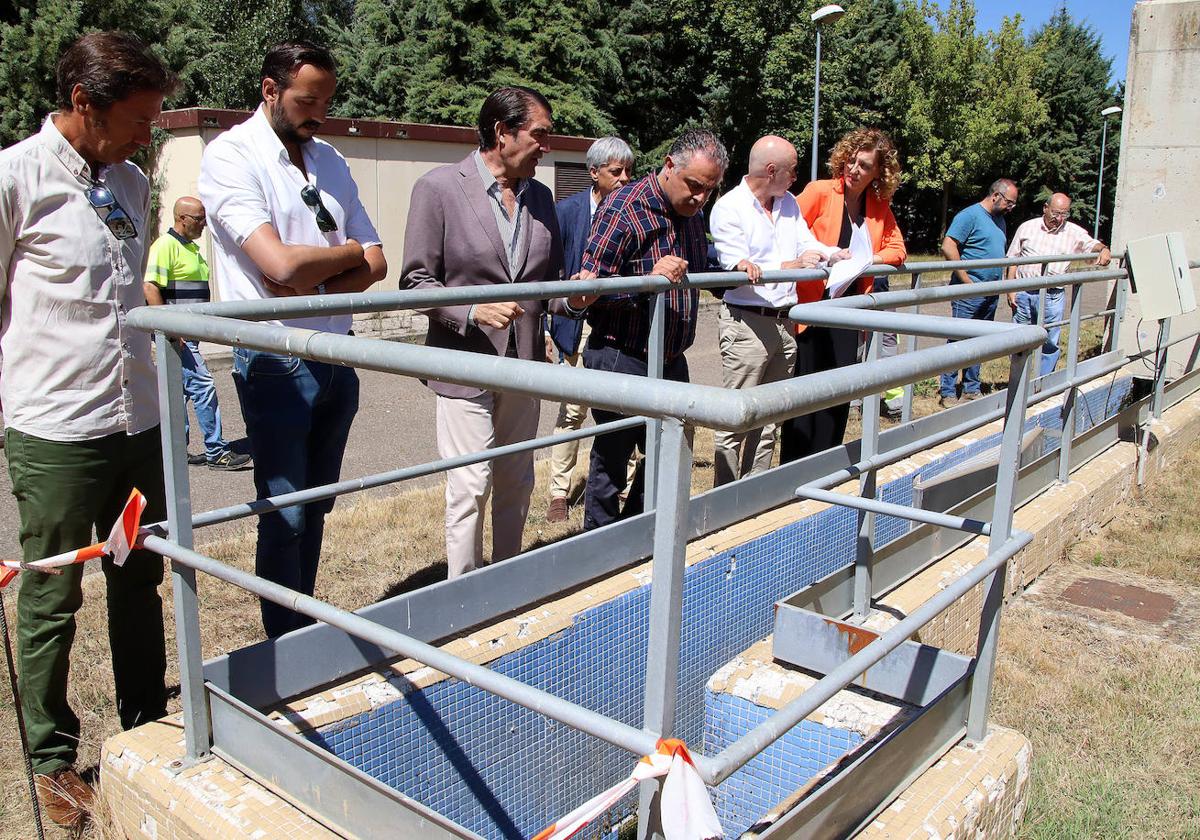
(742, 230)
(72, 369)
(247, 180)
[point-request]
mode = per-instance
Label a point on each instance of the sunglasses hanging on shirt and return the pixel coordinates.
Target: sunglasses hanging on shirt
(110, 211)
(312, 197)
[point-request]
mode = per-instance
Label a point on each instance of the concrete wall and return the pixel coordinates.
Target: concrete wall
(1159, 179)
(384, 168)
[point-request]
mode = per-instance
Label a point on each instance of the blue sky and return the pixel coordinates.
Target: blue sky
(1110, 18)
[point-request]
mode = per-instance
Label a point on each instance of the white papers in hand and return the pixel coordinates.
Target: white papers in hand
(842, 274)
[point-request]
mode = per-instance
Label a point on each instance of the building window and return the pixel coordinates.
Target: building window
(570, 178)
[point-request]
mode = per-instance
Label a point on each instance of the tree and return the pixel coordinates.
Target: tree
(29, 49)
(970, 101)
(1072, 77)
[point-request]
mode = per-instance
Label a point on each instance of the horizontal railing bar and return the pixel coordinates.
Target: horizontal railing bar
(891, 456)
(906, 323)
(928, 517)
(585, 720)
(931, 294)
(953, 265)
(717, 768)
(340, 488)
(705, 405)
(365, 302)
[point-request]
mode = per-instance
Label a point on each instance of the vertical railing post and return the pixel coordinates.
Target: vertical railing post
(1041, 321)
(1068, 409)
(172, 408)
(907, 409)
(1156, 395)
(864, 555)
(1002, 519)
(666, 603)
(655, 358)
(1161, 352)
(1120, 300)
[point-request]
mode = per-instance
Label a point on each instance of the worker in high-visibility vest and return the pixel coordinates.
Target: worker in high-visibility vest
(176, 272)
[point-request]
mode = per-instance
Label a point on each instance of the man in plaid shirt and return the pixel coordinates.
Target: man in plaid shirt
(651, 226)
(1050, 233)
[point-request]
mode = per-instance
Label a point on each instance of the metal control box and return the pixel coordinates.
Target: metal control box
(1159, 269)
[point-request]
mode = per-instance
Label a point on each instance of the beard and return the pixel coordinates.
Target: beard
(288, 131)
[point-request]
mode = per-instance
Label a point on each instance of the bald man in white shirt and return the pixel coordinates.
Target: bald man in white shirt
(757, 227)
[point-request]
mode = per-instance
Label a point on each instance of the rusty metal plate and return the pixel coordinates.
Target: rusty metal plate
(1134, 601)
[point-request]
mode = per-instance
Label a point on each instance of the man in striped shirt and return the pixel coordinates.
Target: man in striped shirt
(1050, 233)
(651, 226)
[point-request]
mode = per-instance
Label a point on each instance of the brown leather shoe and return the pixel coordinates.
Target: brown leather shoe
(558, 510)
(65, 798)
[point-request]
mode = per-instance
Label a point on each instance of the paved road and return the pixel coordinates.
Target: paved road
(394, 426)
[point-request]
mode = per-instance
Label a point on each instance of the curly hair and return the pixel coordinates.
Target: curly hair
(867, 139)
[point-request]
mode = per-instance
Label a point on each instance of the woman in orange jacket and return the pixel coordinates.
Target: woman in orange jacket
(866, 173)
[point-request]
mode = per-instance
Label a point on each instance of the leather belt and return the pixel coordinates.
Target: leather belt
(765, 311)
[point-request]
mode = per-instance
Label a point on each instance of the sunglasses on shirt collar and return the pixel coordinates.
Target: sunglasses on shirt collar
(110, 211)
(311, 196)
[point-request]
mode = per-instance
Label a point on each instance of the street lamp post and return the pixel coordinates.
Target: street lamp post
(825, 14)
(1106, 113)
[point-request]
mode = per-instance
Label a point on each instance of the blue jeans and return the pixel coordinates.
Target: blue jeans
(1027, 313)
(607, 469)
(298, 416)
(980, 309)
(199, 388)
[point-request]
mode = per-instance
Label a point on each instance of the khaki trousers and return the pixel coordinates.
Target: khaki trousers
(467, 425)
(754, 349)
(563, 456)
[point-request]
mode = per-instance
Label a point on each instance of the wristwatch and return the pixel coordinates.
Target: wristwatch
(320, 288)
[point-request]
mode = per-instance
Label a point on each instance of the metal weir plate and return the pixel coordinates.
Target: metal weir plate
(913, 672)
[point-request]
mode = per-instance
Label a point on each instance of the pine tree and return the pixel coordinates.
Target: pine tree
(1072, 77)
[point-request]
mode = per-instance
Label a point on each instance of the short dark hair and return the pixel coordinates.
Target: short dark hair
(110, 66)
(510, 105)
(283, 61)
(1002, 184)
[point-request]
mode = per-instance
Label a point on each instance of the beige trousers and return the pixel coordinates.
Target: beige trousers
(467, 425)
(563, 456)
(754, 349)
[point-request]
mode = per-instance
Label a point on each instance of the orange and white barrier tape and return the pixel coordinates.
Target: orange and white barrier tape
(122, 539)
(687, 813)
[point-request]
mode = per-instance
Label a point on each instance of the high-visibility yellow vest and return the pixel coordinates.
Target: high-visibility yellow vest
(177, 267)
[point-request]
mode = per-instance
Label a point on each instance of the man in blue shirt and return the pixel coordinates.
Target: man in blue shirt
(976, 233)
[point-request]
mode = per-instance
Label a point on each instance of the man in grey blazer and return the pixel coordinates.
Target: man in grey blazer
(483, 221)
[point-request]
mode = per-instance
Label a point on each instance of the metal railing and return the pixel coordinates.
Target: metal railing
(664, 409)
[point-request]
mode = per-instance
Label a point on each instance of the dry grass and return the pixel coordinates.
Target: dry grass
(1113, 713)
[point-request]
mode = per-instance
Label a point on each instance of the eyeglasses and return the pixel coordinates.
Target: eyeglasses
(110, 211)
(201, 219)
(1008, 202)
(312, 197)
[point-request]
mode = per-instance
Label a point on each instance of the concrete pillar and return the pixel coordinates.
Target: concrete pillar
(1158, 183)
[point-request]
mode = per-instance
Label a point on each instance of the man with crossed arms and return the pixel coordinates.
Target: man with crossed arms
(287, 220)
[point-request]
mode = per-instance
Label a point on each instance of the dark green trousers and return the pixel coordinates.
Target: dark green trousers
(67, 494)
